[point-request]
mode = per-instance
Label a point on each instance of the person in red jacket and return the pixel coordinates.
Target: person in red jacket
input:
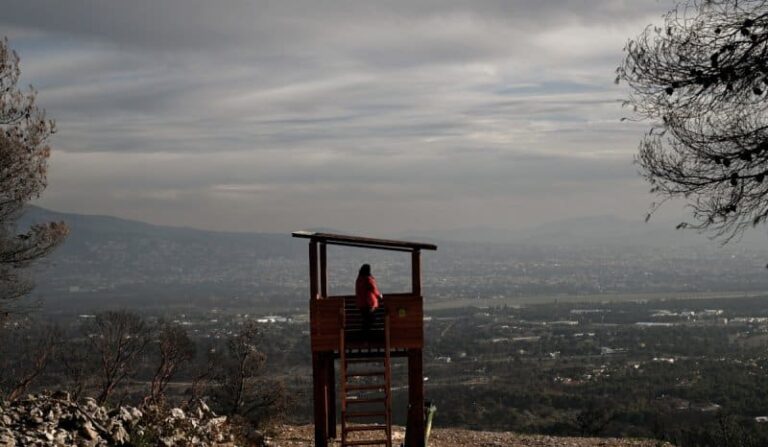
(368, 296)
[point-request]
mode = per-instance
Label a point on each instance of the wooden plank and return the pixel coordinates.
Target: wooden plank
(416, 272)
(373, 247)
(372, 427)
(365, 414)
(359, 241)
(325, 324)
(323, 271)
(320, 408)
(388, 380)
(406, 319)
(365, 374)
(414, 431)
(343, 384)
(365, 401)
(313, 286)
(369, 387)
(367, 442)
(331, 389)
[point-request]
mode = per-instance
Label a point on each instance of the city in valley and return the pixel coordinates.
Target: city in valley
(617, 340)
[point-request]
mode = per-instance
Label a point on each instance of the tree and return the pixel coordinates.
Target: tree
(119, 338)
(702, 80)
(593, 419)
(76, 362)
(24, 152)
(238, 368)
(239, 389)
(25, 358)
(175, 349)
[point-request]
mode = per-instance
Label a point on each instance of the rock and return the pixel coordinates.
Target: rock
(89, 432)
(61, 395)
(61, 437)
(45, 420)
(119, 435)
(125, 414)
(135, 413)
(6, 438)
(256, 437)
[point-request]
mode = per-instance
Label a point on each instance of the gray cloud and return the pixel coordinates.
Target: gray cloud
(272, 115)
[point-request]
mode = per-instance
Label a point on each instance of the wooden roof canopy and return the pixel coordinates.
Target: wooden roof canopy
(364, 242)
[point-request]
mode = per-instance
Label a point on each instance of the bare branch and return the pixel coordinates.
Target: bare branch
(702, 79)
(119, 338)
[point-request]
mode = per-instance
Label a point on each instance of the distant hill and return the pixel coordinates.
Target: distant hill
(604, 231)
(89, 231)
(119, 262)
(104, 255)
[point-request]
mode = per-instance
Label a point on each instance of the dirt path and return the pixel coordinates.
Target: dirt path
(295, 436)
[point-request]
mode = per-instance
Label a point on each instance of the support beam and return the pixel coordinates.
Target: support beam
(319, 377)
(331, 396)
(323, 271)
(414, 431)
(313, 283)
(416, 272)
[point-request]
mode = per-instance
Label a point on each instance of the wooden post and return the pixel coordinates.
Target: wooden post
(319, 376)
(313, 286)
(331, 396)
(319, 363)
(323, 271)
(414, 431)
(416, 272)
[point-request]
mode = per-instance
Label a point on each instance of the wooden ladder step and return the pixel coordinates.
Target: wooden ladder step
(378, 400)
(365, 373)
(365, 360)
(371, 427)
(364, 414)
(367, 442)
(373, 356)
(379, 386)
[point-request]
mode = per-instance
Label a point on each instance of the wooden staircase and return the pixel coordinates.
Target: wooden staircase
(365, 389)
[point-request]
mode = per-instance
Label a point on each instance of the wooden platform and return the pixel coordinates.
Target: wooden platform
(406, 316)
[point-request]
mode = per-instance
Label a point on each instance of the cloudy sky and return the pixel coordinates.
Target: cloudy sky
(378, 117)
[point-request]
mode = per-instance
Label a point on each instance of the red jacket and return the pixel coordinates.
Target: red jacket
(367, 293)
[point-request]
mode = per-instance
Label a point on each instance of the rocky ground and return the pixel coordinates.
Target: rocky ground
(57, 420)
(293, 436)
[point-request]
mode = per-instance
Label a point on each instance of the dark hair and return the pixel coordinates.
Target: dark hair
(365, 270)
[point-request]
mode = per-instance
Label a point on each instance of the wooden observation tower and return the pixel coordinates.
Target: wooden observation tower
(364, 363)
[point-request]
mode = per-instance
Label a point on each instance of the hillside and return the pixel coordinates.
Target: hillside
(107, 261)
(302, 436)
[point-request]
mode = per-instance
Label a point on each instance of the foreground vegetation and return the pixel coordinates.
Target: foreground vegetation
(692, 372)
(120, 358)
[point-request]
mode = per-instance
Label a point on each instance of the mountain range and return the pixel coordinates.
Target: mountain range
(605, 230)
(120, 262)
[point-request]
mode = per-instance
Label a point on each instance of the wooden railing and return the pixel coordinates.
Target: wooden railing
(406, 316)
